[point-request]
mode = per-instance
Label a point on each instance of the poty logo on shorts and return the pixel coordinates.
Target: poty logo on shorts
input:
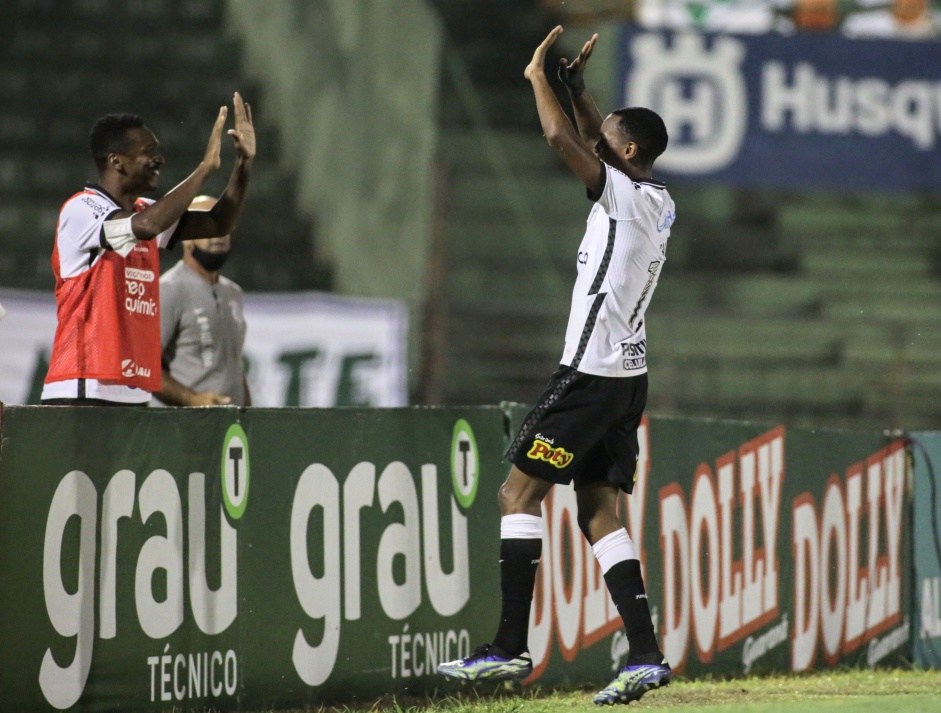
(559, 457)
(699, 92)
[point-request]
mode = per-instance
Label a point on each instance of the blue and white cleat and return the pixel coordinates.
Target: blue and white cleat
(486, 665)
(634, 681)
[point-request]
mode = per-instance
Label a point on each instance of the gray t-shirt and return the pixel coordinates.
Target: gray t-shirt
(202, 332)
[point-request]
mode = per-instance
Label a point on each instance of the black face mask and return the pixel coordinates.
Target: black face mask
(212, 262)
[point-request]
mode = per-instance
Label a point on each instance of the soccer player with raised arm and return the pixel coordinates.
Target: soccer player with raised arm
(106, 263)
(583, 429)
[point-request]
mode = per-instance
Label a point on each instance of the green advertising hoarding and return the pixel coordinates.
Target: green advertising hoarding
(329, 556)
(926, 452)
(249, 559)
(757, 544)
(798, 547)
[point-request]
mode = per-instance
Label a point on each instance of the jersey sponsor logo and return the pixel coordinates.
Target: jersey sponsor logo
(98, 209)
(130, 369)
(634, 355)
(558, 457)
(634, 349)
(665, 220)
(137, 301)
(135, 273)
(140, 305)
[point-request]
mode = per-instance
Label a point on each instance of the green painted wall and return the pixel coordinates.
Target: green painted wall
(354, 86)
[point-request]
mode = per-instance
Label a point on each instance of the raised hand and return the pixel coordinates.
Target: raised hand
(243, 135)
(537, 63)
(212, 158)
(572, 74)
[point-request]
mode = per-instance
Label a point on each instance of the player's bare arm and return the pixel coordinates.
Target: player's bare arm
(572, 75)
(556, 126)
(163, 213)
(221, 219)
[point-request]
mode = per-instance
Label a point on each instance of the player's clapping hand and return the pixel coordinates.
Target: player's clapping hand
(212, 158)
(537, 64)
(243, 135)
(572, 74)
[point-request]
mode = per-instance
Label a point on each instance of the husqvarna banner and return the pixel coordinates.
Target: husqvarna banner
(281, 558)
(791, 111)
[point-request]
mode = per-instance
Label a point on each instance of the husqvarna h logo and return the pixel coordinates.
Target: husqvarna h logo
(699, 92)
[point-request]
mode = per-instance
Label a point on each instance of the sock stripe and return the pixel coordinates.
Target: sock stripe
(613, 548)
(520, 527)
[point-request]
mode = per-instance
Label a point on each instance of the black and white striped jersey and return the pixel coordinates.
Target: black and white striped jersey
(619, 263)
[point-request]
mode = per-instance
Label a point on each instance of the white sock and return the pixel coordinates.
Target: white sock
(614, 548)
(520, 527)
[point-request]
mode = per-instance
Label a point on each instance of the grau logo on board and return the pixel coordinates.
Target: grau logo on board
(406, 564)
(181, 509)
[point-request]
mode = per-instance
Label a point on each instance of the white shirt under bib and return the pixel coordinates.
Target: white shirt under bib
(80, 238)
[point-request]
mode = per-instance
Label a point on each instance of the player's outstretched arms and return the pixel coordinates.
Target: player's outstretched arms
(163, 213)
(556, 126)
(222, 217)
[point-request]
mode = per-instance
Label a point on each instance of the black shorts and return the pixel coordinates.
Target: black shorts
(583, 429)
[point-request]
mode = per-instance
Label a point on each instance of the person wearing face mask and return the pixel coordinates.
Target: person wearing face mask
(202, 328)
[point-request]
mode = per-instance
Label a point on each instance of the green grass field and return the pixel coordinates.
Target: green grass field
(846, 691)
(894, 691)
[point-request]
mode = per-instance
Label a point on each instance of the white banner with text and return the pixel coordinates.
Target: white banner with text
(302, 349)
